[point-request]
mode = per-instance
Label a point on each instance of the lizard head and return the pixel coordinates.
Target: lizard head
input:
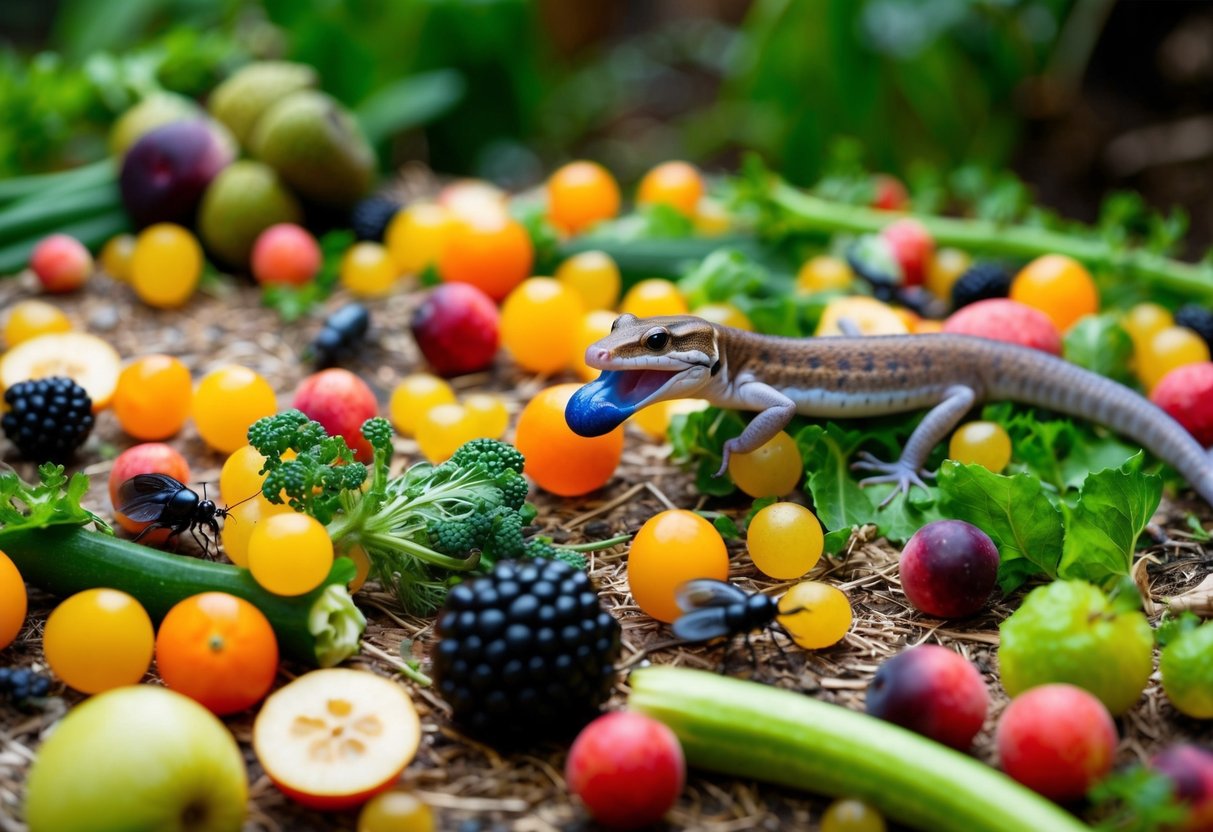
(643, 361)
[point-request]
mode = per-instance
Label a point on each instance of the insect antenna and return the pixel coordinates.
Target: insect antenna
(224, 511)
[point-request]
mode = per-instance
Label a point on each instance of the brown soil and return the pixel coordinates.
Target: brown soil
(466, 781)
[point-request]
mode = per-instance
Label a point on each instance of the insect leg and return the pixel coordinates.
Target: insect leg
(149, 527)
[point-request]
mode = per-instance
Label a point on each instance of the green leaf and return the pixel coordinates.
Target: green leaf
(723, 523)
(1014, 511)
(698, 438)
(1173, 626)
(1100, 344)
(1112, 511)
(408, 103)
(838, 500)
(53, 501)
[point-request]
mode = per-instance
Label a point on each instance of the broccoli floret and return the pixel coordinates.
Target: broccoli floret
(542, 547)
(378, 431)
(514, 488)
(458, 537)
(274, 435)
(494, 456)
(504, 539)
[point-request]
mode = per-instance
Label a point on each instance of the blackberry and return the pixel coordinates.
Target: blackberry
(19, 685)
(527, 652)
(371, 216)
(1197, 318)
(48, 418)
(981, 282)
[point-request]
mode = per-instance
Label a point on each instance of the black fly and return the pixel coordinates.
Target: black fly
(717, 609)
(169, 504)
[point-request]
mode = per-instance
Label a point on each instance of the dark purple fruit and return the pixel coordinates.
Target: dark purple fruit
(948, 569)
(1190, 768)
(165, 173)
(933, 691)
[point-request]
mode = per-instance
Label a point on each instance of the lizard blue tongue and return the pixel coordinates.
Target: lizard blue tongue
(594, 409)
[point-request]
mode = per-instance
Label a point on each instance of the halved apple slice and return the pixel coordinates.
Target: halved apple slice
(334, 738)
(85, 359)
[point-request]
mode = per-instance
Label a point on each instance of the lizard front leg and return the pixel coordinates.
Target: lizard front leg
(938, 423)
(775, 410)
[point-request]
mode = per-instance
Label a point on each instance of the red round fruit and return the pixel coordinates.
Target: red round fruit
(890, 194)
(286, 254)
(61, 263)
(627, 768)
(949, 568)
(933, 691)
(147, 458)
(457, 329)
(1187, 394)
(1190, 769)
(340, 401)
(1006, 320)
(1057, 740)
(912, 246)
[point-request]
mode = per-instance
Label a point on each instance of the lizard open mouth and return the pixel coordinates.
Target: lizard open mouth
(602, 405)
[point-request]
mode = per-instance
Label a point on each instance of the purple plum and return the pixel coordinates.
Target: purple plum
(933, 691)
(949, 568)
(165, 173)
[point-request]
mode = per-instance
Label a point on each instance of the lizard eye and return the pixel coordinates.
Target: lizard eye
(656, 340)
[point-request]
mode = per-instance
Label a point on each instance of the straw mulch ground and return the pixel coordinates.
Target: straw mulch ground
(469, 785)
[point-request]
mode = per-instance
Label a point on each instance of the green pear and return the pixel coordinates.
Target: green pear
(154, 111)
(245, 198)
(138, 759)
(317, 147)
(240, 100)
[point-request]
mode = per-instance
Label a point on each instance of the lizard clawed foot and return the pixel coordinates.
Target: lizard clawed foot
(725, 453)
(903, 475)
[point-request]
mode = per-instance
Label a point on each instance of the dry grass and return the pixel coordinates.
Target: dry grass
(466, 781)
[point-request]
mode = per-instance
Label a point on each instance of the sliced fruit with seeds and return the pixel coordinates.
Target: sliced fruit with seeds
(332, 739)
(84, 358)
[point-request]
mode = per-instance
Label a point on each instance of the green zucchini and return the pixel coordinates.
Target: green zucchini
(750, 730)
(322, 627)
(36, 216)
(668, 257)
(59, 182)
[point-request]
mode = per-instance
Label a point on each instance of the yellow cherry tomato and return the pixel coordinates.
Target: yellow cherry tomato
(241, 475)
(712, 218)
(13, 601)
(944, 269)
(1143, 321)
(981, 443)
(725, 314)
(395, 811)
(489, 412)
(824, 273)
(671, 548)
(1059, 286)
(594, 276)
(362, 565)
(413, 397)
(581, 194)
(655, 419)
(771, 470)
(1167, 349)
(241, 522)
(785, 541)
(30, 318)
(116, 257)
(166, 265)
(99, 639)
(445, 427)
(539, 322)
(290, 553)
(816, 615)
(226, 401)
(868, 314)
(654, 296)
(368, 270)
(592, 327)
(850, 816)
(416, 236)
(677, 184)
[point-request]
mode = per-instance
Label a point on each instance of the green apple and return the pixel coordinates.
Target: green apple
(138, 759)
(1187, 672)
(1068, 631)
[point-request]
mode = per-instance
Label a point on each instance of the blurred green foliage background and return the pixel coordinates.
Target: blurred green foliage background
(533, 82)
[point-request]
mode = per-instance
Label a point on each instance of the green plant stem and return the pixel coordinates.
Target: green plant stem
(595, 545)
(982, 236)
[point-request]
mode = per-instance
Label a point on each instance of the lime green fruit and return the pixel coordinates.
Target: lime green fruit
(1187, 672)
(240, 100)
(246, 198)
(155, 110)
(1068, 632)
(317, 147)
(138, 759)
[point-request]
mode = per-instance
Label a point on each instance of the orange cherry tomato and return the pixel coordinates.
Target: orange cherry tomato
(1059, 286)
(557, 459)
(677, 184)
(152, 400)
(218, 650)
(581, 194)
(671, 548)
(13, 601)
(493, 253)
